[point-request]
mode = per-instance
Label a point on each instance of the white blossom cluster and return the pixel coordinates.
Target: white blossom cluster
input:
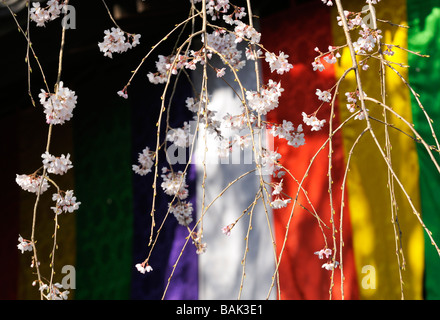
(66, 203)
(352, 106)
(269, 163)
(369, 37)
(142, 268)
(216, 8)
(227, 229)
(312, 121)
(239, 121)
(145, 160)
(330, 2)
(287, 131)
(42, 15)
(24, 245)
(162, 66)
(278, 202)
(353, 19)
(244, 31)
(266, 99)
(182, 211)
(58, 107)
(181, 137)
(205, 116)
(324, 96)
(218, 41)
(117, 41)
(278, 63)
(31, 183)
(226, 45)
(174, 183)
(331, 57)
(56, 165)
(368, 40)
(373, 1)
(329, 265)
(53, 291)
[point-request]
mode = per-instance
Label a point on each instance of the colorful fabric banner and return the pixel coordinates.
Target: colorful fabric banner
(386, 254)
(371, 226)
(423, 37)
(374, 227)
(301, 275)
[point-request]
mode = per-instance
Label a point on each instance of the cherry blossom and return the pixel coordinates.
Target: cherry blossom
(244, 31)
(332, 57)
(228, 19)
(181, 137)
(206, 118)
(145, 160)
(287, 131)
(330, 265)
(174, 183)
(239, 12)
(368, 39)
(353, 19)
(279, 203)
(142, 268)
(389, 50)
(224, 148)
(42, 15)
(56, 165)
(352, 106)
(53, 291)
(227, 229)
(123, 93)
(201, 247)
(226, 45)
(182, 211)
(242, 141)
(58, 107)
(238, 122)
(361, 115)
(312, 121)
(24, 245)
(192, 104)
(251, 55)
(65, 203)
(269, 162)
(266, 99)
(220, 72)
(278, 187)
(117, 41)
(39, 15)
(32, 183)
(323, 95)
(278, 63)
(324, 252)
(317, 65)
(161, 75)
